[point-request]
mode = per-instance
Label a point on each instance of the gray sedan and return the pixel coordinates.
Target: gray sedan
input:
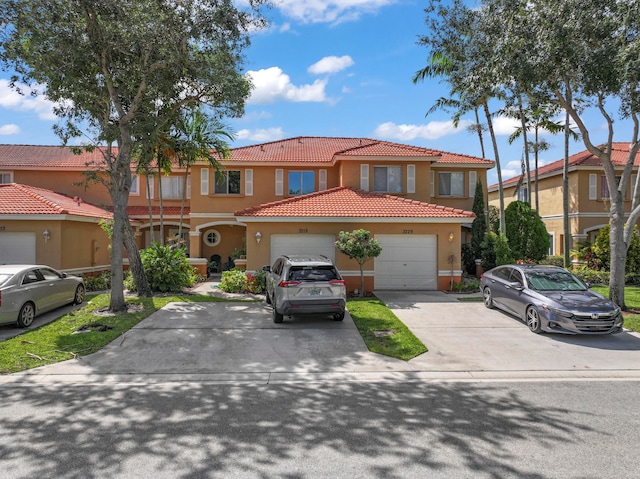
(29, 290)
(549, 299)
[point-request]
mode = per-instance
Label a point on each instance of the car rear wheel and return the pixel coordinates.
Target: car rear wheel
(486, 297)
(533, 319)
(26, 315)
(338, 317)
(277, 317)
(267, 298)
(78, 298)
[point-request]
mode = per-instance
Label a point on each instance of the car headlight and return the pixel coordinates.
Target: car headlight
(560, 312)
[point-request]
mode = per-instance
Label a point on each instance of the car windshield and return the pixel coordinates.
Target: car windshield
(4, 278)
(312, 273)
(554, 281)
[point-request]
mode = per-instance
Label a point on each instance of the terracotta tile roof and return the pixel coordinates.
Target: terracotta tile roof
(46, 157)
(17, 199)
(293, 150)
(619, 152)
(143, 211)
(344, 202)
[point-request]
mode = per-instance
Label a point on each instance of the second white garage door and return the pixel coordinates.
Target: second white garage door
(303, 244)
(17, 248)
(407, 262)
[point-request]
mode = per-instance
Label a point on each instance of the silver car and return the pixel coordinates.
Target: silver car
(29, 290)
(550, 299)
(305, 284)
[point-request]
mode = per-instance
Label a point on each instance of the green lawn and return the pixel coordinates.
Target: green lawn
(60, 340)
(632, 298)
(382, 331)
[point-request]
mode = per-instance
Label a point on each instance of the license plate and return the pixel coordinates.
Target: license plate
(315, 291)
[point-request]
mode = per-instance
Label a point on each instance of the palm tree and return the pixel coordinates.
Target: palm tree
(199, 137)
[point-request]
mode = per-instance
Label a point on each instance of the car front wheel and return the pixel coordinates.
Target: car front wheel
(533, 320)
(78, 298)
(26, 315)
(486, 297)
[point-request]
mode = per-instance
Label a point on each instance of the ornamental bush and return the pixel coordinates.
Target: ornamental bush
(234, 281)
(167, 268)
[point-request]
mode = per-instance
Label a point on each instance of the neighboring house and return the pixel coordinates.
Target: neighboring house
(588, 195)
(295, 196)
(42, 227)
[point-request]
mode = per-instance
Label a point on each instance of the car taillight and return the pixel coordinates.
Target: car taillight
(285, 284)
(337, 281)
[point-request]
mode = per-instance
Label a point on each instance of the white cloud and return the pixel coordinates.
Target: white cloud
(261, 134)
(330, 64)
(272, 84)
(431, 131)
(505, 126)
(330, 11)
(9, 129)
(12, 100)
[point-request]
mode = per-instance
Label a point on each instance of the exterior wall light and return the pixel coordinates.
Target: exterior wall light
(258, 237)
(450, 237)
(47, 235)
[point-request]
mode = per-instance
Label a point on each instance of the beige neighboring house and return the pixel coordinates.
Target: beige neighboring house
(588, 195)
(295, 196)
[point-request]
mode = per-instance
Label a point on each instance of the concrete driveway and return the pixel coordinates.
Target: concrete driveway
(239, 342)
(466, 336)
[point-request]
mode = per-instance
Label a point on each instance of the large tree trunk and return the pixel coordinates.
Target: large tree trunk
(618, 252)
(135, 262)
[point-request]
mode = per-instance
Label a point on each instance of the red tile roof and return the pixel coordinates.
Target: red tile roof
(344, 202)
(17, 199)
(619, 153)
(143, 211)
(293, 150)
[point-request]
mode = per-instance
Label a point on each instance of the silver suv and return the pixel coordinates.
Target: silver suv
(305, 284)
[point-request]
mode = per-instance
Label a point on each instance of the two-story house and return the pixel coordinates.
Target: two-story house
(588, 195)
(296, 195)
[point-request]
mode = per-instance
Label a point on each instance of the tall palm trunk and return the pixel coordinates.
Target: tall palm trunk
(492, 134)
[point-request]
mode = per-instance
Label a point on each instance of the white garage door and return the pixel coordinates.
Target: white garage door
(407, 262)
(303, 244)
(17, 248)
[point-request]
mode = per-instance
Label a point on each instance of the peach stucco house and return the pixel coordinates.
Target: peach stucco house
(588, 195)
(295, 196)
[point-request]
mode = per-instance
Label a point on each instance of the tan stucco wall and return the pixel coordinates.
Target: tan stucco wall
(71, 247)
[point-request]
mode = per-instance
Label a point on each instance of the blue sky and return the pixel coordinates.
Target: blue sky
(332, 68)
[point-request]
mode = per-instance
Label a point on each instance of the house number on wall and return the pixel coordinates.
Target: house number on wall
(407, 232)
(2, 228)
(303, 230)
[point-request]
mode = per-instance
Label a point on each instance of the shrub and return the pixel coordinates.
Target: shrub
(527, 234)
(234, 281)
(592, 276)
(555, 260)
(468, 259)
(467, 284)
(257, 282)
(129, 282)
(101, 282)
(167, 268)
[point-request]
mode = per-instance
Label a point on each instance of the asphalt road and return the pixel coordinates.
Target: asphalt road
(417, 429)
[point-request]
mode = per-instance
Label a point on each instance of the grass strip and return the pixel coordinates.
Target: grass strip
(382, 331)
(59, 340)
(632, 300)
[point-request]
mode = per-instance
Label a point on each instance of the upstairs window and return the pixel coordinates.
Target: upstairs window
(173, 186)
(227, 182)
(387, 179)
(6, 177)
(451, 184)
(301, 182)
(604, 187)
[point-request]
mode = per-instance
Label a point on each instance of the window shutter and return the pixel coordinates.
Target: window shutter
(204, 181)
(279, 182)
(364, 177)
(432, 182)
(322, 179)
(633, 185)
(152, 185)
(593, 186)
(411, 178)
(473, 181)
(248, 182)
(189, 186)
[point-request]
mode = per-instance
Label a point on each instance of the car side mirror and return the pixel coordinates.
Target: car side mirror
(517, 285)
(266, 269)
